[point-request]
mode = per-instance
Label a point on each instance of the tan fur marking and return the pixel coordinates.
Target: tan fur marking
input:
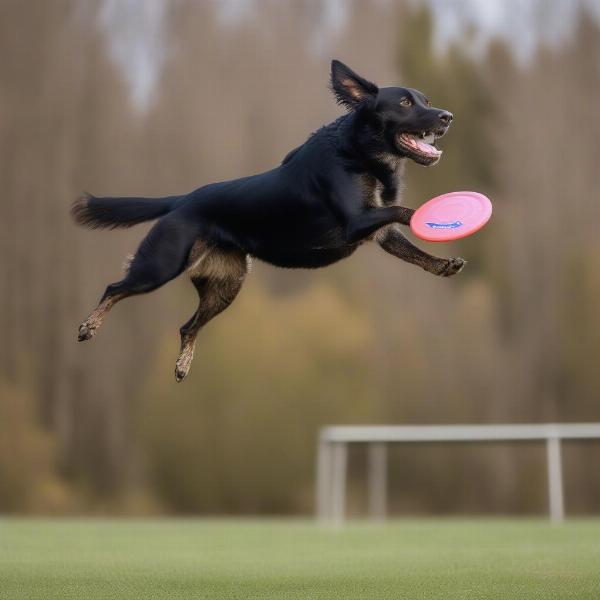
(211, 262)
(127, 263)
(352, 88)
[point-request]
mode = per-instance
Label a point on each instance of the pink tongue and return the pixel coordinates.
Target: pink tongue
(424, 147)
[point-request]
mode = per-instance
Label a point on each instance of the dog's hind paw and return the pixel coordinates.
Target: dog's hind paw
(181, 372)
(86, 332)
(184, 361)
(454, 266)
(182, 366)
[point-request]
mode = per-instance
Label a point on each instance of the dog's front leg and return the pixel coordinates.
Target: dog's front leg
(393, 241)
(407, 215)
(346, 202)
(360, 226)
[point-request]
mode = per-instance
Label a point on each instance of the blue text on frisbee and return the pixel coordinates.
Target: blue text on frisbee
(445, 225)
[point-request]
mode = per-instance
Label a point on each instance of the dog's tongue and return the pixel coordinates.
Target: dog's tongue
(422, 146)
(427, 148)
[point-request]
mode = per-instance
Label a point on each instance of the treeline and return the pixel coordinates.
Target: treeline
(514, 338)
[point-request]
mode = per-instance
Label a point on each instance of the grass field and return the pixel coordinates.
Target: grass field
(247, 559)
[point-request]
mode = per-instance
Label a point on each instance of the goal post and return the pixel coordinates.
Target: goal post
(332, 458)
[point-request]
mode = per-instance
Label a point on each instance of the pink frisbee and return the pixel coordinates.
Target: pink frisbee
(451, 216)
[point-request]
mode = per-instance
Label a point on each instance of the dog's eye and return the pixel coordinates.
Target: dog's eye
(428, 102)
(405, 101)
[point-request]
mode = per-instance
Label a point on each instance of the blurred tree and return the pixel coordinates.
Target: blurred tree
(29, 479)
(265, 379)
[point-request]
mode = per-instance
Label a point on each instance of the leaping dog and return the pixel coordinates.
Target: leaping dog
(330, 195)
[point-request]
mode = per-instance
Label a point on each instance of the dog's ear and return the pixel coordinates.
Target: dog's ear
(349, 88)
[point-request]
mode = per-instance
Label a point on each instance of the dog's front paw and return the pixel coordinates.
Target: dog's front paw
(453, 266)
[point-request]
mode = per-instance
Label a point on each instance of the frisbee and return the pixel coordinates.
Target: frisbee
(451, 216)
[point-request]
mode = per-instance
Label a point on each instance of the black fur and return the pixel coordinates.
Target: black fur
(110, 213)
(329, 195)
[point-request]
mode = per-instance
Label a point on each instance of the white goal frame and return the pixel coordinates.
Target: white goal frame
(332, 458)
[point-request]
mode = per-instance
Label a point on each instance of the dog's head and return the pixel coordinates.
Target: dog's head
(406, 121)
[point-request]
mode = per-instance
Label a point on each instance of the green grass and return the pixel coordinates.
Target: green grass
(247, 559)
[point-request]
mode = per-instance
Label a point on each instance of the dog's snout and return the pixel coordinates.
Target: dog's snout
(446, 117)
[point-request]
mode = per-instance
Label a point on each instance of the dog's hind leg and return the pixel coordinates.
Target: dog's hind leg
(392, 240)
(218, 276)
(162, 256)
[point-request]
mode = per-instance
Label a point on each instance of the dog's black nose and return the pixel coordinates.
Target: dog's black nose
(446, 117)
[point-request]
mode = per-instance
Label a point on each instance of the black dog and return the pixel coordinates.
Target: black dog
(332, 193)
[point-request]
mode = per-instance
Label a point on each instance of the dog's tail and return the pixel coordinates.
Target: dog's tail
(110, 213)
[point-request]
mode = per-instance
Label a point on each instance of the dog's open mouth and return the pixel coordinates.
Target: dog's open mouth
(420, 146)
